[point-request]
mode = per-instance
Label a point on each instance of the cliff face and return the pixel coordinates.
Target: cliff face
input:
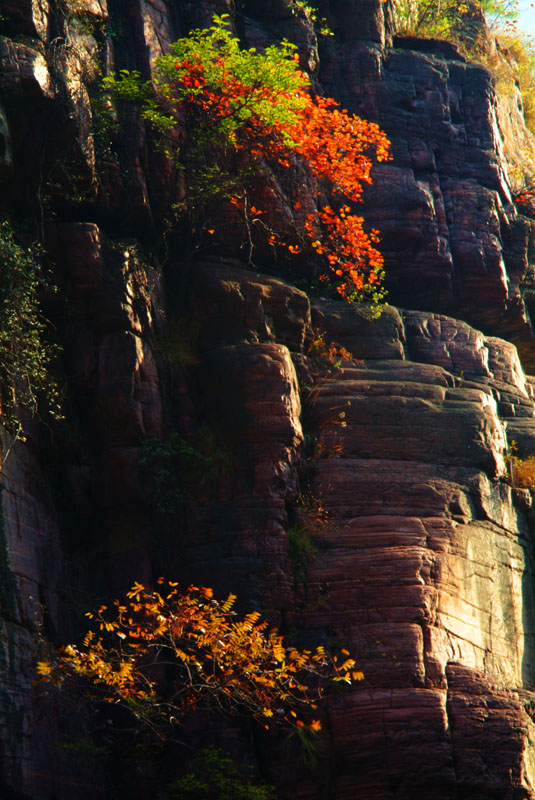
(425, 567)
(451, 238)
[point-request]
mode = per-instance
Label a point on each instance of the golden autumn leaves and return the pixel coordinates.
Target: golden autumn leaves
(163, 654)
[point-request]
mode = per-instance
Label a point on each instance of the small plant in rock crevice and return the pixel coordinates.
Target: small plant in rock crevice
(521, 470)
(171, 465)
(176, 342)
(213, 775)
(302, 546)
(323, 433)
(175, 469)
(311, 11)
(310, 524)
(327, 354)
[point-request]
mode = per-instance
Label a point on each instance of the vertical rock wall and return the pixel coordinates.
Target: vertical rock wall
(451, 236)
(425, 570)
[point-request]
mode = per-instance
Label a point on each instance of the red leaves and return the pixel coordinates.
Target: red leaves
(336, 147)
(239, 106)
(525, 200)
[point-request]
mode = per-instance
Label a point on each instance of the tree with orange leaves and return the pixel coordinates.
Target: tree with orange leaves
(229, 117)
(163, 654)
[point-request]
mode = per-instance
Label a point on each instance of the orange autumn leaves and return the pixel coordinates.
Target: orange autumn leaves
(246, 116)
(335, 147)
(211, 660)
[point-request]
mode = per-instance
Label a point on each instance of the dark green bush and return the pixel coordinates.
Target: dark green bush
(214, 777)
(25, 356)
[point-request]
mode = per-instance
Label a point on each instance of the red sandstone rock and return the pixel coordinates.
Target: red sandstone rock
(27, 16)
(425, 569)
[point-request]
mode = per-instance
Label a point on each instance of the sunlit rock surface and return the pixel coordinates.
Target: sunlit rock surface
(425, 567)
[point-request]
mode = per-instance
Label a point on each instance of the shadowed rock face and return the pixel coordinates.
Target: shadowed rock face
(425, 568)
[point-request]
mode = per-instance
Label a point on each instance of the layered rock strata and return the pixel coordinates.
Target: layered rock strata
(424, 569)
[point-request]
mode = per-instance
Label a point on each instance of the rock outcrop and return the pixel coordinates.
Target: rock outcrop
(424, 566)
(451, 236)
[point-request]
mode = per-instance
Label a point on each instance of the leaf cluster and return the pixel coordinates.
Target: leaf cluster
(211, 659)
(174, 467)
(213, 775)
(25, 355)
(521, 470)
(301, 546)
(330, 354)
(170, 465)
(460, 22)
(227, 116)
(518, 69)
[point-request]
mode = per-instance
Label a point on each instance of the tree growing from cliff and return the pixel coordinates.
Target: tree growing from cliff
(163, 655)
(230, 118)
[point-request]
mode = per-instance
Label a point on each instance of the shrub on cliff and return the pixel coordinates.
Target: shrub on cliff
(461, 22)
(213, 775)
(486, 31)
(514, 66)
(161, 656)
(228, 118)
(25, 355)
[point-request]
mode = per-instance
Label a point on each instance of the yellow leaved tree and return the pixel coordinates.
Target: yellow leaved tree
(165, 654)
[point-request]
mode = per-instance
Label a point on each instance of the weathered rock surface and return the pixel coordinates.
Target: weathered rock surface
(426, 537)
(452, 239)
(425, 569)
(32, 568)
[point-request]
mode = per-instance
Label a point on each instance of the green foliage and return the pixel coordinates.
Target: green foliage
(97, 758)
(209, 441)
(226, 118)
(451, 19)
(128, 86)
(301, 546)
(170, 466)
(25, 356)
(310, 10)
(177, 342)
(213, 776)
(516, 71)
(304, 535)
(270, 72)
(175, 468)
(430, 18)
(267, 74)
(207, 153)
